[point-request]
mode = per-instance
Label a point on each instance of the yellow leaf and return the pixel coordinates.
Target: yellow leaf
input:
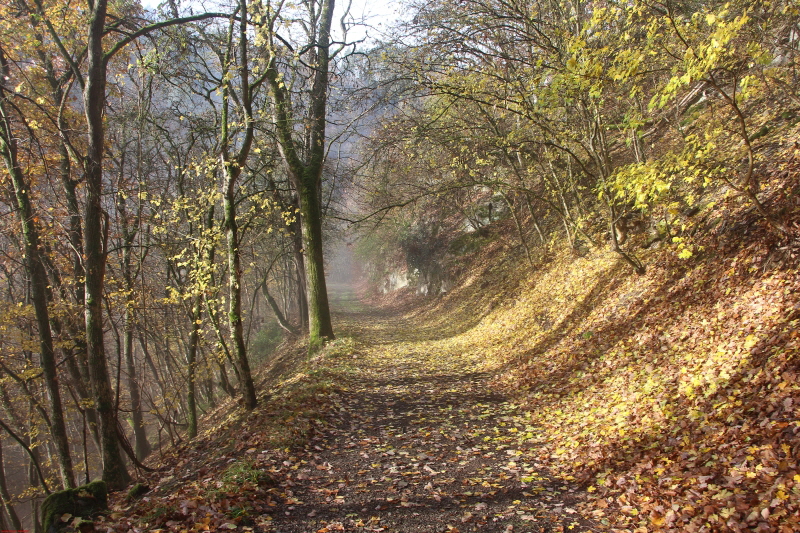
(750, 341)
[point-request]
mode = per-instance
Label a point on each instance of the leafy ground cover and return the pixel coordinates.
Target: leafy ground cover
(421, 442)
(672, 397)
(385, 430)
(574, 396)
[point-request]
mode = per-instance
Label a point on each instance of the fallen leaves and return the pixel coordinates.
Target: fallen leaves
(672, 398)
(420, 445)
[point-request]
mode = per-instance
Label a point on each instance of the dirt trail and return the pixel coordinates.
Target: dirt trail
(421, 443)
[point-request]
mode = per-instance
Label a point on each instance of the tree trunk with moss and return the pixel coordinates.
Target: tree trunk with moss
(235, 296)
(85, 501)
(320, 326)
(39, 293)
(305, 171)
(232, 168)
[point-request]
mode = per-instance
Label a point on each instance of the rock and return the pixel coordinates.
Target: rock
(84, 501)
(137, 491)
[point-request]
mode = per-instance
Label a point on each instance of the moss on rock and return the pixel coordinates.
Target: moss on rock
(137, 491)
(84, 501)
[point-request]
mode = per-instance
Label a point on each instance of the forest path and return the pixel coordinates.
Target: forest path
(420, 443)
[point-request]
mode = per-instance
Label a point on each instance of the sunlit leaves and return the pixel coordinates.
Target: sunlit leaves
(709, 43)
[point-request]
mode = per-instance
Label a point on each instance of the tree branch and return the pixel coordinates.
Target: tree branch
(157, 26)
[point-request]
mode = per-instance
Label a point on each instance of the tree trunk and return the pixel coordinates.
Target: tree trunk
(282, 322)
(207, 255)
(232, 167)
(191, 361)
(306, 172)
(235, 297)
(224, 383)
(141, 444)
(534, 219)
(115, 474)
(300, 267)
(520, 229)
(629, 258)
(208, 385)
(40, 297)
(76, 360)
(320, 327)
(37, 524)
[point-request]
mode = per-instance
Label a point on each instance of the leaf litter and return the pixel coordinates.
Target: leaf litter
(393, 432)
(422, 443)
(575, 398)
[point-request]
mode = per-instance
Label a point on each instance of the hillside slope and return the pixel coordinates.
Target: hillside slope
(663, 402)
(673, 396)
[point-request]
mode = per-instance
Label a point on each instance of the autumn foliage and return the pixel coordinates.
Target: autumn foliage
(578, 224)
(671, 397)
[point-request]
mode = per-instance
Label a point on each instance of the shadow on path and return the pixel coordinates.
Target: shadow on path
(415, 449)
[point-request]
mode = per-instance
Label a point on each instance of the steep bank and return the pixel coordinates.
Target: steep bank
(663, 402)
(673, 396)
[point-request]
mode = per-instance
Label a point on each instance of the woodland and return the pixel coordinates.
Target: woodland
(491, 265)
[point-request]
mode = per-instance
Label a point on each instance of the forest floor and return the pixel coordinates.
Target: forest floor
(401, 435)
(421, 442)
(569, 395)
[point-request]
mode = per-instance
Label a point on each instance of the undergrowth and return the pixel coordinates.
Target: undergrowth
(228, 473)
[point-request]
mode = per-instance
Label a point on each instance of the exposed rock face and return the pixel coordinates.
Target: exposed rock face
(433, 281)
(429, 282)
(397, 279)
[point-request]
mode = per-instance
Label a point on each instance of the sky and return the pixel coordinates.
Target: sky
(377, 13)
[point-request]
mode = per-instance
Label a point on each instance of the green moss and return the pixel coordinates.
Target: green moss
(469, 243)
(760, 133)
(84, 501)
(243, 475)
(137, 491)
(246, 471)
(315, 343)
